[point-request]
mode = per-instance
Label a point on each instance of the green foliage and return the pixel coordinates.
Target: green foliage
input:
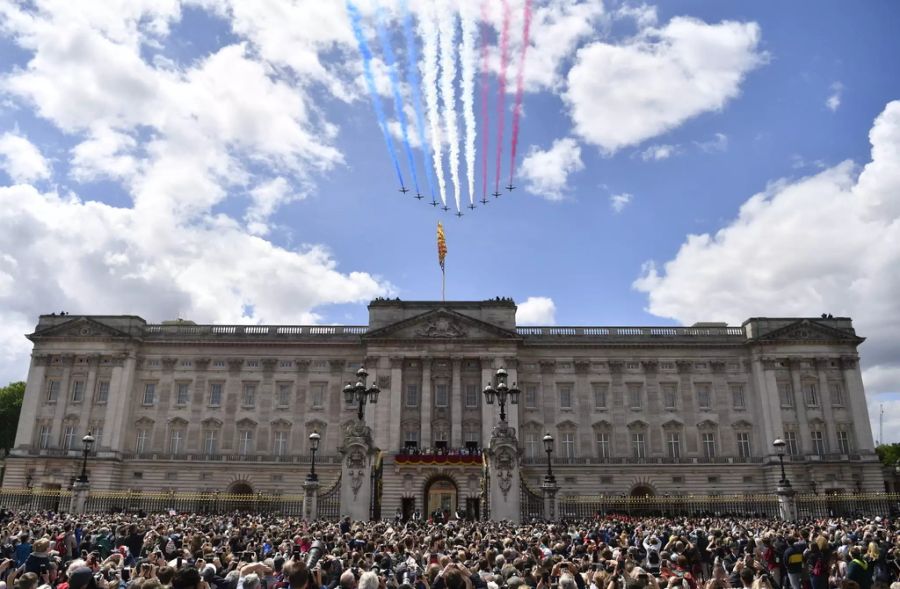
(10, 406)
(889, 454)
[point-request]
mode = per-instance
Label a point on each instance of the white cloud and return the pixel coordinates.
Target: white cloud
(266, 198)
(21, 159)
(546, 173)
(658, 152)
(833, 102)
(618, 202)
(106, 154)
(620, 95)
(825, 243)
(536, 311)
(718, 143)
(889, 423)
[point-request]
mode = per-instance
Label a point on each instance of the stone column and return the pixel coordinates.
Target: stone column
(310, 500)
(358, 451)
(766, 386)
(787, 504)
(856, 397)
(427, 403)
(800, 406)
(35, 395)
(396, 433)
(62, 401)
(456, 404)
(550, 491)
(504, 474)
(80, 492)
(488, 412)
(121, 385)
(512, 369)
(821, 365)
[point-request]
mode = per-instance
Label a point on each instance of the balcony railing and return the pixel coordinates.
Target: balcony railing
(274, 332)
(575, 460)
(438, 456)
(195, 457)
(633, 332)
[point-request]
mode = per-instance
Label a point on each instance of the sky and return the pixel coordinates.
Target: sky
(221, 161)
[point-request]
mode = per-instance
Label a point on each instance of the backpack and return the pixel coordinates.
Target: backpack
(60, 545)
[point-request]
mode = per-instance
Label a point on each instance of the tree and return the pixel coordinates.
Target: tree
(889, 454)
(10, 406)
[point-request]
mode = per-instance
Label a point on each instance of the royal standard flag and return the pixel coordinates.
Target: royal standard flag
(442, 245)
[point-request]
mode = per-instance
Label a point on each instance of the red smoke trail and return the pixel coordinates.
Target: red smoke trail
(517, 109)
(484, 100)
(501, 94)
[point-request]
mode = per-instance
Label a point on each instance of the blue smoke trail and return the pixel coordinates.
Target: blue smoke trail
(355, 20)
(391, 64)
(412, 65)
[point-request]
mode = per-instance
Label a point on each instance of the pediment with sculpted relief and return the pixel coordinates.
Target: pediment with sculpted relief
(808, 330)
(441, 324)
(80, 327)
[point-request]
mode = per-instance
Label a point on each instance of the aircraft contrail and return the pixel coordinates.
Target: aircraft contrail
(467, 59)
(366, 54)
(428, 30)
(483, 82)
(520, 78)
(415, 84)
(390, 63)
(447, 29)
(501, 93)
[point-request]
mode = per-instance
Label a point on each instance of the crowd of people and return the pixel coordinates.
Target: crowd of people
(252, 551)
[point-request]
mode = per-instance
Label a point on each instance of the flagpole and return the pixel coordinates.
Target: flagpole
(443, 285)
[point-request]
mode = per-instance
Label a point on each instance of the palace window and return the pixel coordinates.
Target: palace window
(635, 396)
(811, 395)
(568, 444)
(45, 437)
(638, 448)
(709, 444)
(140, 441)
(52, 391)
(601, 390)
(215, 394)
(673, 444)
(279, 445)
(182, 394)
(245, 442)
(284, 394)
(97, 432)
(318, 394)
(533, 446)
(843, 440)
(412, 395)
(531, 396)
(670, 395)
(176, 441)
(818, 442)
(743, 444)
(737, 396)
(77, 391)
(441, 396)
(102, 391)
(248, 399)
(790, 439)
(564, 391)
(411, 435)
(210, 442)
(471, 395)
(786, 394)
(603, 445)
(837, 393)
(149, 394)
(704, 396)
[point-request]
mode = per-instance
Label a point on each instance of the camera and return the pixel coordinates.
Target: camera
(315, 554)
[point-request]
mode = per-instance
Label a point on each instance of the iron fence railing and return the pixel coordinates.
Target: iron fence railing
(531, 505)
(328, 504)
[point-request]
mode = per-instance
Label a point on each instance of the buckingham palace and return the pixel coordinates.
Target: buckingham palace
(179, 406)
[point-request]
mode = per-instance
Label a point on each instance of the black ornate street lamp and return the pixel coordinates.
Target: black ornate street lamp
(548, 448)
(87, 442)
(313, 447)
(360, 393)
(500, 390)
(779, 445)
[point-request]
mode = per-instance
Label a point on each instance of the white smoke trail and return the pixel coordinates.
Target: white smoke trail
(428, 31)
(447, 30)
(467, 59)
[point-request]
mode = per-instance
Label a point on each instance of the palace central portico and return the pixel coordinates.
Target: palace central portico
(656, 410)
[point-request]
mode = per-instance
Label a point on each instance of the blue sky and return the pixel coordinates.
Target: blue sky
(221, 161)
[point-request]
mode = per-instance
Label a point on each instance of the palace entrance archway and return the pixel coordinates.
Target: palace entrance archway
(642, 491)
(441, 494)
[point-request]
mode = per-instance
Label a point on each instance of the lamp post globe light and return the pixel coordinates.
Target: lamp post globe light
(313, 447)
(548, 448)
(501, 391)
(87, 442)
(359, 393)
(779, 445)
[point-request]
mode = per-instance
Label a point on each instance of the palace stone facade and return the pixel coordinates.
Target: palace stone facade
(660, 410)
